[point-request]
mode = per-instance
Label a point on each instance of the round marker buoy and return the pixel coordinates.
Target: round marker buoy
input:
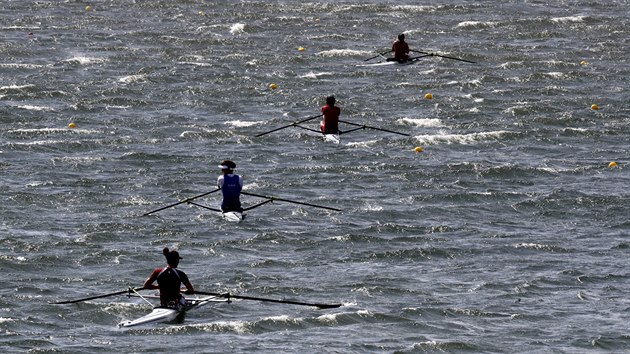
(301, 49)
(613, 164)
(72, 125)
(583, 62)
(428, 96)
(273, 86)
(419, 149)
(594, 107)
(88, 8)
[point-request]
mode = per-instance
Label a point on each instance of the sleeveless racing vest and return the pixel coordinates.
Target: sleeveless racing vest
(169, 282)
(231, 193)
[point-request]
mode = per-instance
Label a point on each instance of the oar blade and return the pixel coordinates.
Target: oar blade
(328, 306)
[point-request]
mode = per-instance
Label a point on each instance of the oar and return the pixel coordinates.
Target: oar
(350, 131)
(181, 202)
(142, 297)
(97, 296)
(257, 205)
(311, 129)
(376, 56)
(203, 206)
(230, 296)
(289, 201)
(369, 127)
(289, 125)
(442, 56)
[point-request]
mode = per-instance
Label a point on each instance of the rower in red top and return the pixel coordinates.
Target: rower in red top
(169, 281)
(330, 124)
(400, 49)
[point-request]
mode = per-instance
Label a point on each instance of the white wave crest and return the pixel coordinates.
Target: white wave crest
(313, 75)
(133, 78)
(461, 138)
(237, 28)
(35, 108)
(478, 24)
(342, 53)
(426, 122)
(568, 19)
(240, 123)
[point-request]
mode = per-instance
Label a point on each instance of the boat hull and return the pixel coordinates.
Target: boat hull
(168, 314)
(159, 314)
(332, 138)
(233, 216)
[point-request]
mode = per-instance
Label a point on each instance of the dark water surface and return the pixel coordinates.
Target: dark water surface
(508, 233)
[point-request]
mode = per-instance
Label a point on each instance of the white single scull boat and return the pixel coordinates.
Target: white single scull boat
(332, 138)
(391, 62)
(233, 216)
(169, 314)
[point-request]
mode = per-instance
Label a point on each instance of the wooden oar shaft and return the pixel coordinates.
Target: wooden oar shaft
(289, 201)
(181, 202)
(242, 297)
(96, 297)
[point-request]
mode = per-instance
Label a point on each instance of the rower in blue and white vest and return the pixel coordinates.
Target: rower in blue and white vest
(231, 185)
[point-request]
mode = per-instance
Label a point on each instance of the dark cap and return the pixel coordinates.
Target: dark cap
(171, 256)
(401, 37)
(227, 165)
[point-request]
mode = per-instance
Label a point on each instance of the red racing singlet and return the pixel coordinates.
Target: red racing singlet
(330, 125)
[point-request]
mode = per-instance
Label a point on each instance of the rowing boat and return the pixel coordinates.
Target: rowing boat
(332, 138)
(392, 62)
(233, 216)
(169, 314)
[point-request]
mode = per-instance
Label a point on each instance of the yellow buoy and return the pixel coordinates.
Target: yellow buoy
(428, 96)
(273, 86)
(419, 149)
(594, 107)
(300, 49)
(88, 8)
(583, 62)
(72, 125)
(613, 164)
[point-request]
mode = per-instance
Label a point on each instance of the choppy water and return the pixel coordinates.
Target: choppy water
(509, 233)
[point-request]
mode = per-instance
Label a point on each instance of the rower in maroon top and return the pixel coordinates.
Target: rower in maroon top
(169, 281)
(330, 124)
(400, 49)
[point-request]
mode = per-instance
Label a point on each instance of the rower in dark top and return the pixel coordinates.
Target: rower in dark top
(400, 49)
(169, 281)
(231, 185)
(330, 124)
